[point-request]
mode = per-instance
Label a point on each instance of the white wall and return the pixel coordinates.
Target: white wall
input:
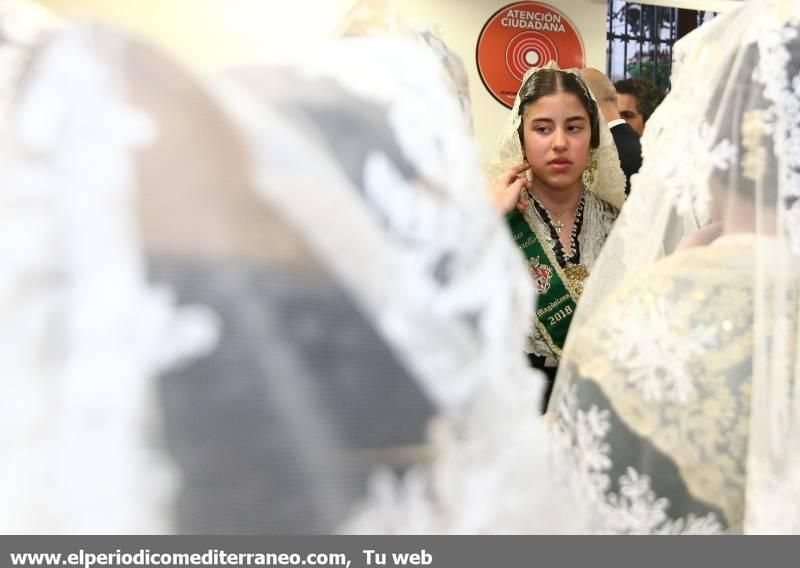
(213, 33)
(461, 23)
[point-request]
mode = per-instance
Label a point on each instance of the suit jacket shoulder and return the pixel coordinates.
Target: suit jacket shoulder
(629, 149)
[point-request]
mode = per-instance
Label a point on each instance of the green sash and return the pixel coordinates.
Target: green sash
(556, 291)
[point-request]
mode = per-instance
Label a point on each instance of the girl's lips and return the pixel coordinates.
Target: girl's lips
(560, 165)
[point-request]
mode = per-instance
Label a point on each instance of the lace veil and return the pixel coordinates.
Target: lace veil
(269, 301)
(22, 25)
(689, 340)
(608, 182)
(380, 17)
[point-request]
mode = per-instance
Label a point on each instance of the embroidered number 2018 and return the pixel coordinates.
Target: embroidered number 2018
(560, 315)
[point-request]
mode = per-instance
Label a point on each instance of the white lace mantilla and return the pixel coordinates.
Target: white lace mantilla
(22, 25)
(85, 344)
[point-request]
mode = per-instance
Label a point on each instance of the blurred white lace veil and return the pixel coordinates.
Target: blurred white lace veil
(227, 302)
(22, 25)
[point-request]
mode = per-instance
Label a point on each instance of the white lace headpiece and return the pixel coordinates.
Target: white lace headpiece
(608, 182)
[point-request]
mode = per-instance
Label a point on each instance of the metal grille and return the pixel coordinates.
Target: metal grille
(640, 39)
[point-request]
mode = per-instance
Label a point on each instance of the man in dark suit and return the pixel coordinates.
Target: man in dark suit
(626, 139)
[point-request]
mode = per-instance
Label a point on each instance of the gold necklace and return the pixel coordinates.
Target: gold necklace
(557, 224)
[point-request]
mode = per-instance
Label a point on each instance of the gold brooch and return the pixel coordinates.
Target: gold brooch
(576, 274)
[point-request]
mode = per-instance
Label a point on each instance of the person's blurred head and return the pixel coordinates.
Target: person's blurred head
(603, 90)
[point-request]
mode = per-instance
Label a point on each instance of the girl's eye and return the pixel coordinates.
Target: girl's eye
(541, 129)
(575, 128)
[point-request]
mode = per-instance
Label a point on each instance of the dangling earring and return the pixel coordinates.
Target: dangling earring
(590, 173)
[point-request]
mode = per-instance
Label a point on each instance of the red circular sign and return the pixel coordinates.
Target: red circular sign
(520, 36)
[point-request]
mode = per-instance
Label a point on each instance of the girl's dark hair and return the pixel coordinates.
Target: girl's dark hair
(551, 81)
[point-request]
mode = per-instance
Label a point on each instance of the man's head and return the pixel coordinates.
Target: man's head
(637, 98)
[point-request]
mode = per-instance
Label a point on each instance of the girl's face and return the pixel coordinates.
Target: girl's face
(557, 135)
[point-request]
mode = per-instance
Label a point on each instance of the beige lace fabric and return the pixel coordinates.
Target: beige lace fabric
(678, 385)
